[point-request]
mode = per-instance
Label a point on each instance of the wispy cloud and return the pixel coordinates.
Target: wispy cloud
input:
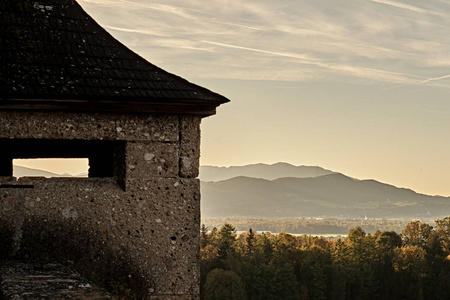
(298, 40)
(177, 11)
(408, 7)
(134, 4)
(358, 71)
(434, 79)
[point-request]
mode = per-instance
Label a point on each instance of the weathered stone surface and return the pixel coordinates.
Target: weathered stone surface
(152, 228)
(85, 126)
(147, 160)
(44, 280)
(140, 226)
(189, 146)
(169, 297)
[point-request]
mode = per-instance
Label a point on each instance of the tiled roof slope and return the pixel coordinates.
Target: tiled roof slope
(53, 55)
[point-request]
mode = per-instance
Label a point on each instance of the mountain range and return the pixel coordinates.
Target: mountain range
(265, 171)
(329, 195)
(20, 171)
(284, 190)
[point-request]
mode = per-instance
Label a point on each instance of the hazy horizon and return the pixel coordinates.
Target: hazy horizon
(359, 87)
(75, 167)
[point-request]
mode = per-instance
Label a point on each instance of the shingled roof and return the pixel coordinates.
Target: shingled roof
(54, 56)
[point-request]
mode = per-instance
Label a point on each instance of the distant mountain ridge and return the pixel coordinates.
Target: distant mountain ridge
(264, 171)
(283, 190)
(300, 193)
(20, 171)
(333, 195)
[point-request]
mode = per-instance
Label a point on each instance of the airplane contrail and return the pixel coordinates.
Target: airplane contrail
(434, 79)
(139, 31)
(408, 7)
(292, 55)
(348, 69)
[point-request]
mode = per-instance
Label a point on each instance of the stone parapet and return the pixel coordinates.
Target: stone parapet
(88, 126)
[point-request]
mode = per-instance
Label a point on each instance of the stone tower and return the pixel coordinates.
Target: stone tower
(68, 89)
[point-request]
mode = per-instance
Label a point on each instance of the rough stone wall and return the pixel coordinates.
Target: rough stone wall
(45, 280)
(140, 227)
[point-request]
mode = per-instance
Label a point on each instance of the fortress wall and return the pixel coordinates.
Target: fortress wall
(140, 226)
(89, 126)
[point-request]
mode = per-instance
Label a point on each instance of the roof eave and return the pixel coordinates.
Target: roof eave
(185, 107)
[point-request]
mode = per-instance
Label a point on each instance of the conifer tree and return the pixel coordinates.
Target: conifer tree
(224, 285)
(225, 240)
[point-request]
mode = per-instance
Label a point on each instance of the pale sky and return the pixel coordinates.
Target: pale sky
(359, 87)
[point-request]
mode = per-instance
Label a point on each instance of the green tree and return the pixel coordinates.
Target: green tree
(385, 265)
(273, 281)
(204, 237)
(358, 258)
(250, 241)
(245, 243)
(362, 248)
(264, 247)
(318, 289)
(224, 285)
(282, 283)
(225, 240)
(388, 240)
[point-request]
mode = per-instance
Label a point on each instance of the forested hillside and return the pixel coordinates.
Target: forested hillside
(384, 265)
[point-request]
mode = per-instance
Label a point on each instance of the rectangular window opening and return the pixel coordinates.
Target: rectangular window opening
(63, 158)
(51, 167)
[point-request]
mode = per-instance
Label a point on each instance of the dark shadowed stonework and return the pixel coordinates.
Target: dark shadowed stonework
(69, 89)
(39, 280)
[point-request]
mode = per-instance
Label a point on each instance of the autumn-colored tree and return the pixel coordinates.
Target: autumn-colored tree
(443, 233)
(417, 233)
(411, 265)
(246, 242)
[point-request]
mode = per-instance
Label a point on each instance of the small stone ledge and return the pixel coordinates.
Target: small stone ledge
(49, 280)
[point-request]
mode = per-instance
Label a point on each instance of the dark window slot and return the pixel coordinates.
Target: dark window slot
(106, 158)
(16, 186)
